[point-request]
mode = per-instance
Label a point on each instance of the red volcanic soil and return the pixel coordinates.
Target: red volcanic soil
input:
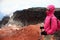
(31, 32)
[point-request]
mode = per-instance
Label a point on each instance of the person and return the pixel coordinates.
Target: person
(51, 23)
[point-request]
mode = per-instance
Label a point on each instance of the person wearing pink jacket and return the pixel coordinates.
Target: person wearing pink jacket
(50, 25)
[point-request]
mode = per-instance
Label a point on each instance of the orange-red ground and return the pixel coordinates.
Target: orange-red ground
(31, 32)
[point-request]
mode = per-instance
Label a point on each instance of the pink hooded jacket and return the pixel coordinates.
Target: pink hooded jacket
(52, 24)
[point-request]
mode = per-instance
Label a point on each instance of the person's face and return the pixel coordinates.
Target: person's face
(50, 9)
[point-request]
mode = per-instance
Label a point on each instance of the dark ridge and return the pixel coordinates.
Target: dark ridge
(32, 15)
(4, 20)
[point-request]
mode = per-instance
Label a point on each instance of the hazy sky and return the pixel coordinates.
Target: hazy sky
(7, 7)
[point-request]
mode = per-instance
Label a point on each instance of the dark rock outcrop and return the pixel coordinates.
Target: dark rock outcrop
(33, 15)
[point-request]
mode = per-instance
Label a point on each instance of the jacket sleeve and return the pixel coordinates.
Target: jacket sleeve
(47, 23)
